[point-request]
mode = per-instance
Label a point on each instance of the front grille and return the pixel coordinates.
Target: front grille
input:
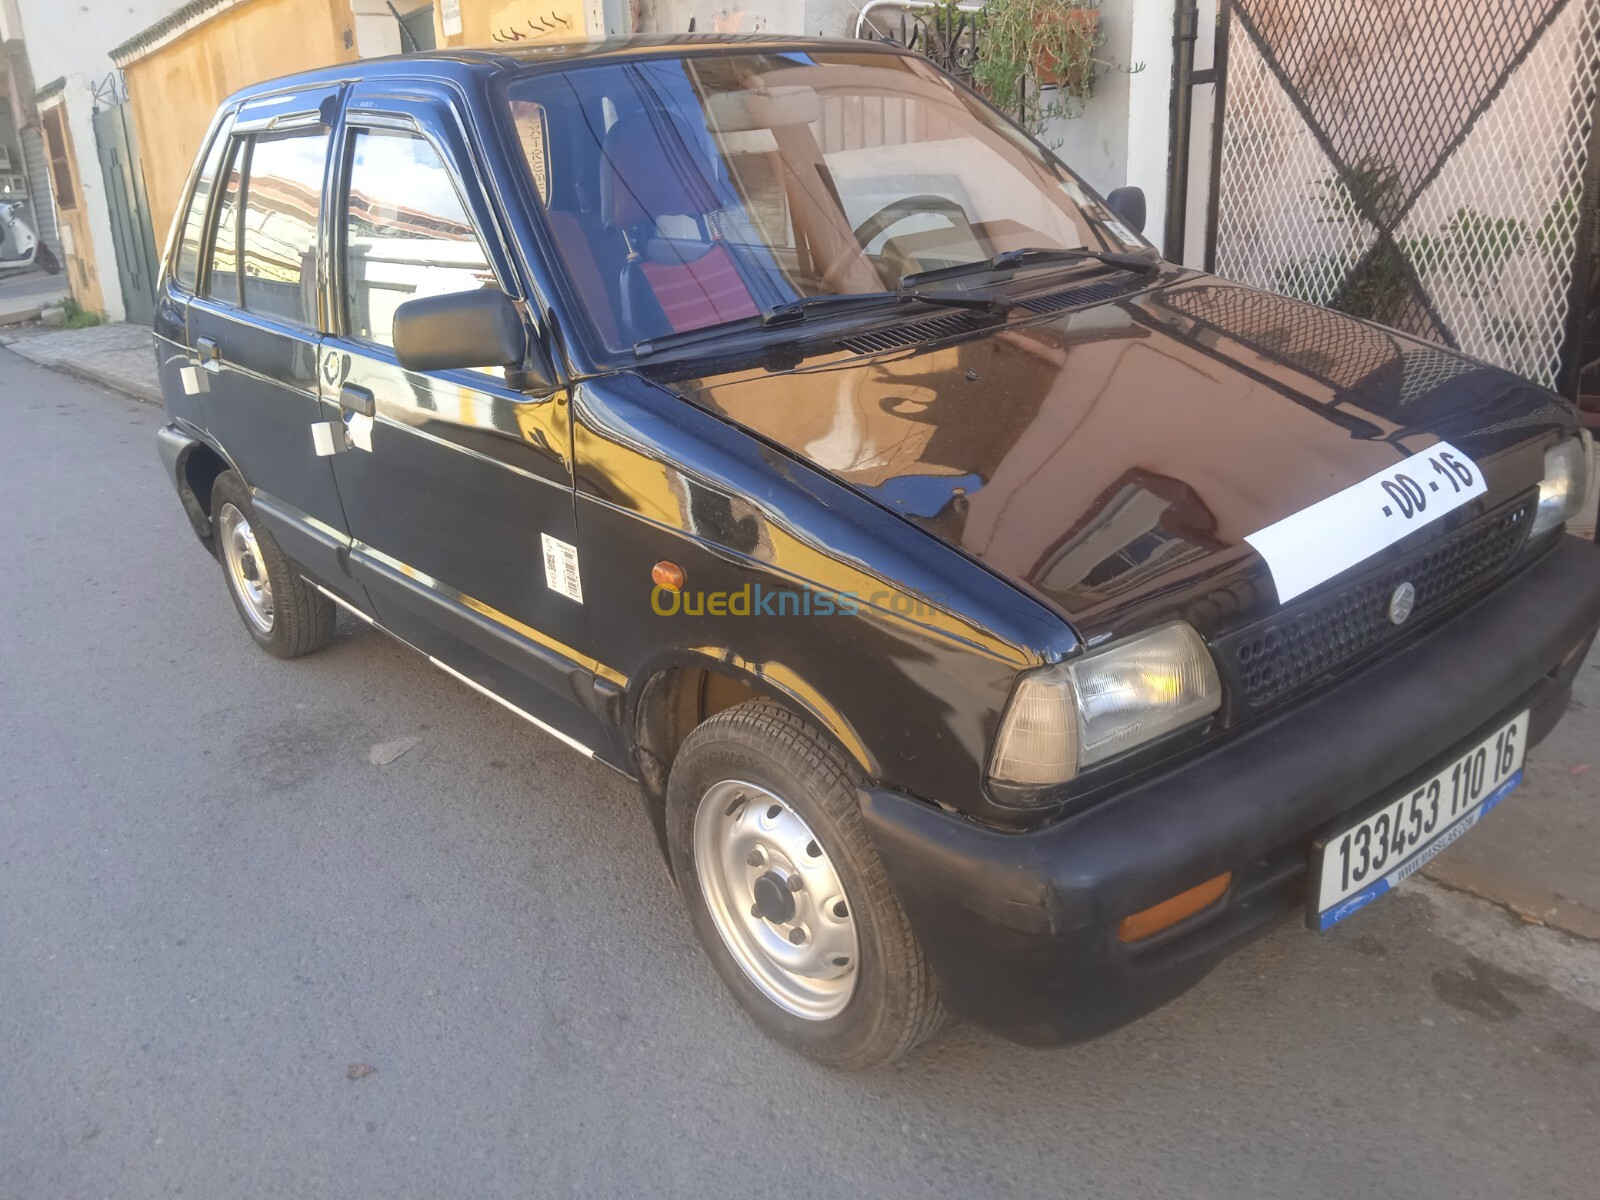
(1315, 640)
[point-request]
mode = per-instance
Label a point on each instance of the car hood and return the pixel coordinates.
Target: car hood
(1112, 460)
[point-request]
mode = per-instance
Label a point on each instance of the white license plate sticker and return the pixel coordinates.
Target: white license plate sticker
(1335, 534)
(1356, 865)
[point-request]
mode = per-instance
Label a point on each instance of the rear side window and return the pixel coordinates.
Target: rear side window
(283, 196)
(188, 268)
(222, 280)
(406, 234)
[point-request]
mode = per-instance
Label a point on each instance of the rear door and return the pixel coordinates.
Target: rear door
(180, 382)
(458, 486)
(254, 319)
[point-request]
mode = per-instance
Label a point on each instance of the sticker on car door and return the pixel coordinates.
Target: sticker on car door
(1335, 534)
(561, 567)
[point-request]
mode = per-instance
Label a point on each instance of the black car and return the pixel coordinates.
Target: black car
(996, 618)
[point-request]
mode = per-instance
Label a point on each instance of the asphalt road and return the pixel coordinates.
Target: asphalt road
(214, 904)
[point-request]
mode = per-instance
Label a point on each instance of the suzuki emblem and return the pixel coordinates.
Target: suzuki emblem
(1402, 602)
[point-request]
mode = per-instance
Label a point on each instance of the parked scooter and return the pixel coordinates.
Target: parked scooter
(23, 247)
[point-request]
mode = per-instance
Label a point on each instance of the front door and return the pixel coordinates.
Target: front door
(457, 486)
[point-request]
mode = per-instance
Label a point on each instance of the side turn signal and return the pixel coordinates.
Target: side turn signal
(1174, 909)
(668, 575)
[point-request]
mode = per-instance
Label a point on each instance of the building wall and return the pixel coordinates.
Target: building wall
(482, 23)
(73, 41)
(75, 225)
(176, 89)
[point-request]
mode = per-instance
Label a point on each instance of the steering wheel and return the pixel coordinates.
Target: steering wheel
(907, 206)
(892, 214)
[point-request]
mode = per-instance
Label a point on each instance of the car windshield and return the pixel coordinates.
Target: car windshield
(690, 192)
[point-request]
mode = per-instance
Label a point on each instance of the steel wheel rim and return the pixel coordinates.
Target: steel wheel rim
(247, 574)
(776, 899)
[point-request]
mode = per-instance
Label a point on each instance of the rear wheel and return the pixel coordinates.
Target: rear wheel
(786, 893)
(45, 260)
(284, 614)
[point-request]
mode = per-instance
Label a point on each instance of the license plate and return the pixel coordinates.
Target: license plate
(1356, 865)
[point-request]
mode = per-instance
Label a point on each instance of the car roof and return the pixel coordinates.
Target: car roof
(462, 65)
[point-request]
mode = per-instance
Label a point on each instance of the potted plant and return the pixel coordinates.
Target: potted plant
(1025, 47)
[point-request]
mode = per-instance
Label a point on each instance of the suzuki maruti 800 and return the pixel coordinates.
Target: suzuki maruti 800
(996, 618)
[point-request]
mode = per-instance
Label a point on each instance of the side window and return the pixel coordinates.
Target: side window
(406, 232)
(222, 281)
(188, 268)
(283, 196)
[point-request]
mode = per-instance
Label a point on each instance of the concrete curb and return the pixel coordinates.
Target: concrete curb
(1525, 901)
(132, 388)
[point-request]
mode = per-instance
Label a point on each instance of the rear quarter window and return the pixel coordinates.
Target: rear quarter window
(187, 270)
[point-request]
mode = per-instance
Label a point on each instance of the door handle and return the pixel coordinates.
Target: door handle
(354, 399)
(209, 352)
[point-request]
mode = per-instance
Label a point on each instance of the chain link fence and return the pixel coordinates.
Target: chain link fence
(1420, 163)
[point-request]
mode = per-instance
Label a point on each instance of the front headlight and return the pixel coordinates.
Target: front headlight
(1073, 714)
(1565, 483)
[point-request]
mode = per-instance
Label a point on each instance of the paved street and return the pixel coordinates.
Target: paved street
(248, 951)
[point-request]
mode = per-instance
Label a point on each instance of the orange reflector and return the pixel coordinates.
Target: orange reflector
(668, 575)
(1169, 912)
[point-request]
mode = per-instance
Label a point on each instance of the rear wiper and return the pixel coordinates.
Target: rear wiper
(1024, 256)
(797, 310)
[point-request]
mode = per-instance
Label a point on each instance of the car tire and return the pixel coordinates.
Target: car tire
(284, 614)
(787, 895)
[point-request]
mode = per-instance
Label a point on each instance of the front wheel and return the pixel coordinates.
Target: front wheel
(787, 895)
(45, 260)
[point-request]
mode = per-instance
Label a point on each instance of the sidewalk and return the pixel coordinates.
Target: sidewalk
(120, 357)
(1535, 855)
(25, 294)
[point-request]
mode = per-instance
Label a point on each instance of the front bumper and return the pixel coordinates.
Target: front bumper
(1021, 927)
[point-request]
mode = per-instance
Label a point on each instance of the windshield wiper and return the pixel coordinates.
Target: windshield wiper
(1026, 256)
(794, 311)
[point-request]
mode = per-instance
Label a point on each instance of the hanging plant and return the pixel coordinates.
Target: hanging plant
(1025, 47)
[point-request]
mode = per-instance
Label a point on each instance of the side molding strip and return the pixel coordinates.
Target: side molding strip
(344, 604)
(471, 683)
(502, 701)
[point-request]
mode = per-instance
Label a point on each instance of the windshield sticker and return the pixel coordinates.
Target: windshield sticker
(533, 131)
(561, 567)
(1335, 534)
(1120, 231)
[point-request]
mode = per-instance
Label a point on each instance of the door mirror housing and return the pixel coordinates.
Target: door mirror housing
(1128, 203)
(460, 330)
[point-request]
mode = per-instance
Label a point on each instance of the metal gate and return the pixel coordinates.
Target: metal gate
(131, 230)
(1427, 164)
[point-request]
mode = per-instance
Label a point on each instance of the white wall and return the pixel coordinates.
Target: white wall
(1149, 106)
(723, 16)
(1095, 143)
(75, 37)
(10, 21)
(74, 40)
(1121, 135)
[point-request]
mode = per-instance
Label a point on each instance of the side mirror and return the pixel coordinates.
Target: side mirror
(480, 328)
(1128, 203)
